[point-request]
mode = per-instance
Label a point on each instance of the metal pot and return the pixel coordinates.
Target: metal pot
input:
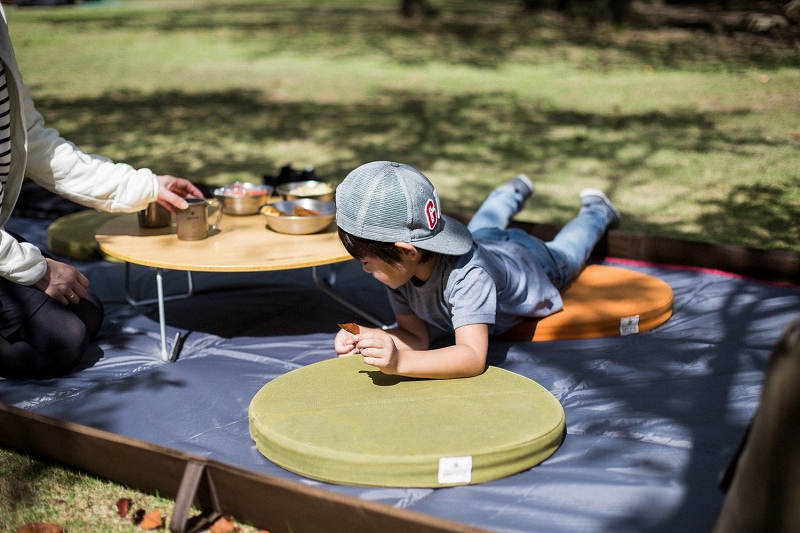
(280, 216)
(316, 190)
(242, 198)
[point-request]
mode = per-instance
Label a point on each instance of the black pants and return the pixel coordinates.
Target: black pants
(40, 337)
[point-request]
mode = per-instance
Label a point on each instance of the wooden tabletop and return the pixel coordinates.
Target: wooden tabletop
(243, 244)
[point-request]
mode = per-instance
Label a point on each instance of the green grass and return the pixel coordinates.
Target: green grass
(35, 491)
(692, 135)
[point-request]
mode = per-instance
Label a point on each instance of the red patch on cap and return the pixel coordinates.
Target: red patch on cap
(431, 215)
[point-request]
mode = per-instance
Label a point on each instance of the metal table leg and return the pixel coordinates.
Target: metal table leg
(161, 320)
(176, 343)
(134, 302)
(326, 285)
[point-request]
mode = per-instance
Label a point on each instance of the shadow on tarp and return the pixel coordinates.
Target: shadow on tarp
(651, 419)
(265, 303)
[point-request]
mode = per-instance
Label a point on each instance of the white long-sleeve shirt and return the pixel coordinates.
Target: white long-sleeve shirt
(56, 164)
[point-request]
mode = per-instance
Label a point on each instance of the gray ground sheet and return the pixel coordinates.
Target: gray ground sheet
(652, 418)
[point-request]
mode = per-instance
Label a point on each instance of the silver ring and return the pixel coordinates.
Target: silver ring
(71, 296)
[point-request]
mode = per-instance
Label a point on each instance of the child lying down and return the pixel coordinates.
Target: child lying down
(475, 281)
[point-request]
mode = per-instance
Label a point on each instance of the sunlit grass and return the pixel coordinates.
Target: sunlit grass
(674, 125)
(33, 491)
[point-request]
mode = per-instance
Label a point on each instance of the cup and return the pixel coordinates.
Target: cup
(193, 223)
(154, 215)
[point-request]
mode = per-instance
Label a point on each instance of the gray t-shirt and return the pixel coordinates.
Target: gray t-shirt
(495, 283)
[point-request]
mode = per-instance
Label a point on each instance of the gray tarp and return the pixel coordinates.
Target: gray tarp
(652, 418)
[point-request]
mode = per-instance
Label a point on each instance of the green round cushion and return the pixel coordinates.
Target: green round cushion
(343, 421)
(72, 235)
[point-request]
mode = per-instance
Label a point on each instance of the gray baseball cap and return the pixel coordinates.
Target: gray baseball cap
(391, 202)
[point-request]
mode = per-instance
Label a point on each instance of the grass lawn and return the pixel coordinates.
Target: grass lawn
(692, 135)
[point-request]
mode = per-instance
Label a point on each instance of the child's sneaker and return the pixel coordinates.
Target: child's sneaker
(523, 185)
(593, 197)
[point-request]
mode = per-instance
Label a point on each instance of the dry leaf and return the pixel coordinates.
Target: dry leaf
(223, 524)
(40, 527)
(152, 520)
(123, 506)
(795, 135)
(350, 327)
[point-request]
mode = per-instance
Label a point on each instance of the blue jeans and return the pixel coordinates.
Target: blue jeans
(564, 257)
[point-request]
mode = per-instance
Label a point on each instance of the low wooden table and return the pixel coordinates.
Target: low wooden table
(242, 244)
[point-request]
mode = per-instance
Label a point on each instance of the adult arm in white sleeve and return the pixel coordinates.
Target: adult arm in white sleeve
(91, 180)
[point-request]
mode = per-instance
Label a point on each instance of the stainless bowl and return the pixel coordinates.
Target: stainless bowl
(242, 198)
(317, 190)
(299, 225)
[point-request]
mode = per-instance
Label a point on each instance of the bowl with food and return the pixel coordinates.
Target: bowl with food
(316, 190)
(242, 198)
(299, 217)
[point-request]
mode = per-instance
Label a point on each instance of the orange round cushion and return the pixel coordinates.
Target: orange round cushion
(603, 301)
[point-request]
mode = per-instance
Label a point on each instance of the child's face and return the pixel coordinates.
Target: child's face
(391, 275)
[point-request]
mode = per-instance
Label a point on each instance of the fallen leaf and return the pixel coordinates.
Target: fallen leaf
(123, 506)
(223, 524)
(350, 327)
(795, 135)
(40, 527)
(152, 520)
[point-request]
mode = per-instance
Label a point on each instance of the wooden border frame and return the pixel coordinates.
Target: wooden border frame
(265, 501)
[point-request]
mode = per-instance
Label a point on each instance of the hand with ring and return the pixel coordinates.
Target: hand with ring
(63, 282)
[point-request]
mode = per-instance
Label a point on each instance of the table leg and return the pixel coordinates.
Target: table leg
(134, 302)
(326, 285)
(161, 320)
(177, 342)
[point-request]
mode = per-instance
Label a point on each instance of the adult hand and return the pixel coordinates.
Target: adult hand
(172, 191)
(63, 282)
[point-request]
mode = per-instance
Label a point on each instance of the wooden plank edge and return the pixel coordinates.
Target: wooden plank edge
(264, 501)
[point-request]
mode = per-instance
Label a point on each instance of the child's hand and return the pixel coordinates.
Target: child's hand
(344, 343)
(378, 349)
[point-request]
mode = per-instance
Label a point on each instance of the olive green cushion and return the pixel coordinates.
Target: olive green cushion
(342, 421)
(72, 235)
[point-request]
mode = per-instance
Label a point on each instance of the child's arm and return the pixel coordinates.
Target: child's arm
(466, 358)
(411, 333)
